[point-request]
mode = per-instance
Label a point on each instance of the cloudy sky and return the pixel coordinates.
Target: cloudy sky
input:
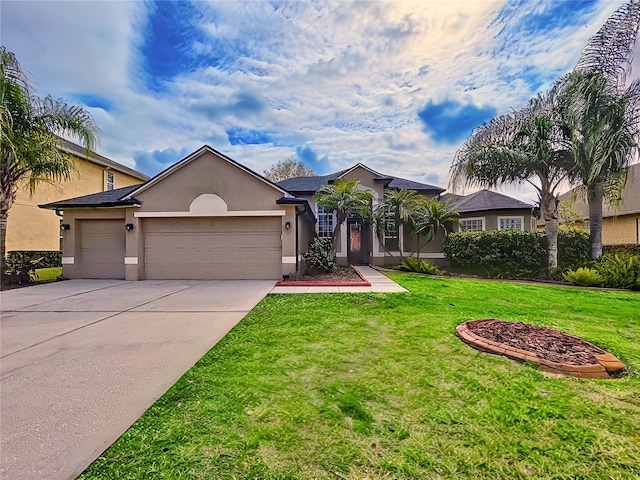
(395, 85)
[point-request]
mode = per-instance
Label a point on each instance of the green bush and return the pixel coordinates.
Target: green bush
(574, 248)
(412, 264)
(619, 270)
(496, 253)
(320, 257)
(49, 258)
(584, 277)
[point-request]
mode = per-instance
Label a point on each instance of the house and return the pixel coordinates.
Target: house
(210, 217)
(621, 224)
(32, 228)
(205, 217)
(357, 243)
(487, 210)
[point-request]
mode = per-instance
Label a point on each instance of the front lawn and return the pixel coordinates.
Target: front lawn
(377, 386)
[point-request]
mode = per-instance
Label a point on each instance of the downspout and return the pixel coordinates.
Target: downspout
(58, 213)
(297, 247)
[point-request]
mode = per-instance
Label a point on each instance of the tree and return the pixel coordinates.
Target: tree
(601, 112)
(29, 140)
(604, 134)
(344, 197)
(286, 169)
(527, 146)
(397, 208)
(432, 217)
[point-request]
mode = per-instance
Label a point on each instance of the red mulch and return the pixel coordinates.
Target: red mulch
(545, 342)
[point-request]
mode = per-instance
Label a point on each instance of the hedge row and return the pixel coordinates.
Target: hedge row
(50, 258)
(513, 253)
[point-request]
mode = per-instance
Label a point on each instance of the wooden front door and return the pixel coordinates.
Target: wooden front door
(358, 241)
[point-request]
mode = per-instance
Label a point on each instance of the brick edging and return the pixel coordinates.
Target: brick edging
(607, 363)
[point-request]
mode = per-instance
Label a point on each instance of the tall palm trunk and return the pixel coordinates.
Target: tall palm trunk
(595, 197)
(549, 210)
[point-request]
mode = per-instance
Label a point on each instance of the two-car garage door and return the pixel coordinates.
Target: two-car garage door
(213, 248)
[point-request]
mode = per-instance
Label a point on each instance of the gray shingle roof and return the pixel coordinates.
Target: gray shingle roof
(484, 200)
(308, 184)
(313, 184)
(110, 198)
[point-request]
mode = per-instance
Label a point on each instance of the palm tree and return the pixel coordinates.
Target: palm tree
(29, 139)
(398, 207)
(601, 112)
(434, 216)
(527, 146)
(604, 133)
(344, 197)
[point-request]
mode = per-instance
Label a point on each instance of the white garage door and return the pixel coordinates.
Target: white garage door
(102, 246)
(213, 248)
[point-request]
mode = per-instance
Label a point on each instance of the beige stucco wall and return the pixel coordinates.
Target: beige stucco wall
(33, 228)
(622, 230)
(491, 218)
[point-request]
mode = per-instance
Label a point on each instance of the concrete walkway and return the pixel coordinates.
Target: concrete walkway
(83, 359)
(379, 284)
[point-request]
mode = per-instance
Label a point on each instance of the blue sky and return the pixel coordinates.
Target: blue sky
(392, 84)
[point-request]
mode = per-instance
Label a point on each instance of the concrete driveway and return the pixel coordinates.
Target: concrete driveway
(81, 360)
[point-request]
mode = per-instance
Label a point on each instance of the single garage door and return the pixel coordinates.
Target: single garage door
(213, 248)
(102, 245)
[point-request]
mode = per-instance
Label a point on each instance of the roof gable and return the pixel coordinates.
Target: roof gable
(484, 200)
(195, 155)
(313, 184)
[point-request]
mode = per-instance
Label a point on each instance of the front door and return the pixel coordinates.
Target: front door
(358, 241)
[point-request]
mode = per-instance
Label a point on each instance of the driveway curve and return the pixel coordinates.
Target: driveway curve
(81, 360)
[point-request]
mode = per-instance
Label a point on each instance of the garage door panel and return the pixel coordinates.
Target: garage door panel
(234, 248)
(102, 249)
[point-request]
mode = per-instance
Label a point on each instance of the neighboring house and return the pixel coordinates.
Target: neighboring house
(32, 228)
(621, 224)
(487, 210)
(209, 217)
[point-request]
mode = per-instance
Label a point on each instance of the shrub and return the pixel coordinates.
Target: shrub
(496, 253)
(421, 266)
(19, 269)
(48, 258)
(619, 270)
(574, 248)
(584, 277)
(320, 257)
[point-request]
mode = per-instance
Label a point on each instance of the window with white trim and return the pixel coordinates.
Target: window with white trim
(391, 237)
(111, 181)
(534, 224)
(508, 223)
(471, 224)
(326, 222)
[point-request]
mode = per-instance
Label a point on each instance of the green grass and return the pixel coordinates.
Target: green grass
(48, 274)
(377, 386)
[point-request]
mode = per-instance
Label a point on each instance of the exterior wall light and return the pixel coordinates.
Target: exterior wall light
(129, 226)
(287, 225)
(65, 227)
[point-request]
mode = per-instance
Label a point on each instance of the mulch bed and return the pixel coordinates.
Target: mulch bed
(341, 276)
(545, 342)
(553, 351)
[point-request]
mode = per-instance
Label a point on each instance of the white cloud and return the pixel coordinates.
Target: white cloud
(343, 79)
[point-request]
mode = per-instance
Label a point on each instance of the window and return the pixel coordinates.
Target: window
(507, 223)
(110, 181)
(534, 224)
(471, 224)
(390, 237)
(326, 223)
